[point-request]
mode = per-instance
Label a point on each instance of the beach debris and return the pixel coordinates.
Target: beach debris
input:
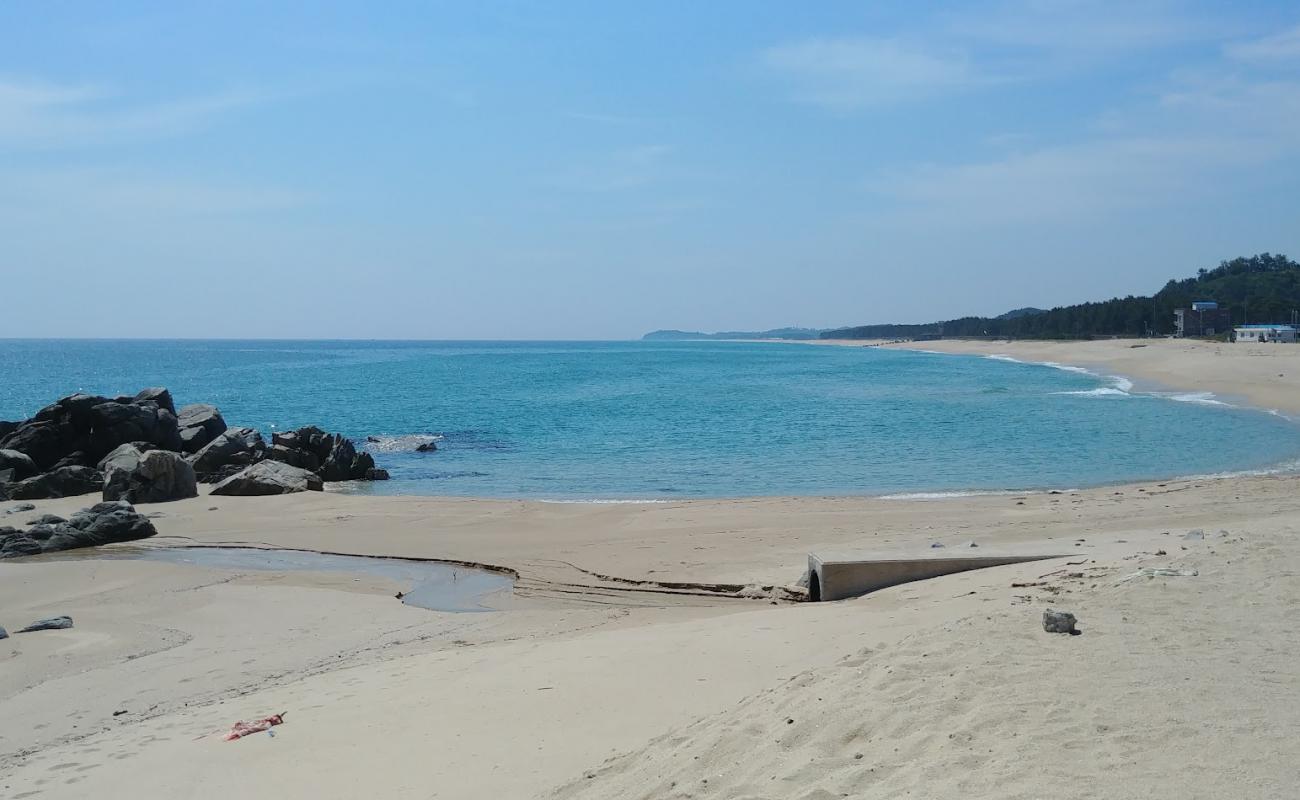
(119, 713)
(1194, 535)
(1159, 572)
(241, 728)
(49, 624)
(1161, 553)
(1059, 622)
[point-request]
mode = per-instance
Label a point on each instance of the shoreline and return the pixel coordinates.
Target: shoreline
(578, 687)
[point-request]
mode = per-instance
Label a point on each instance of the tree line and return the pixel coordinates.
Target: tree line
(1264, 288)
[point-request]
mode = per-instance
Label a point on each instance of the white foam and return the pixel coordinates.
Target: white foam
(950, 495)
(400, 444)
(605, 502)
(1000, 357)
(1104, 391)
(1206, 398)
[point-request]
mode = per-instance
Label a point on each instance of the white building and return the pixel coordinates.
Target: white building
(1247, 334)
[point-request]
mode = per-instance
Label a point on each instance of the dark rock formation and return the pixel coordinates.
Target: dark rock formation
(269, 477)
(199, 424)
(20, 463)
(330, 455)
(46, 519)
(227, 454)
(156, 395)
(156, 476)
(65, 446)
(102, 523)
(426, 447)
(61, 482)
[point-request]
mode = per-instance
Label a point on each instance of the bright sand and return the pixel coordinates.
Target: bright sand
(586, 687)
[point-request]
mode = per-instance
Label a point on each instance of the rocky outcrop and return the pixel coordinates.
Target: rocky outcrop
(330, 455)
(269, 477)
(60, 482)
(227, 454)
(199, 424)
(156, 476)
(102, 523)
(69, 446)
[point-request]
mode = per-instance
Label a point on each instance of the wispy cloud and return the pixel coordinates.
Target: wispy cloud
(1280, 48)
(41, 115)
(1176, 149)
(849, 73)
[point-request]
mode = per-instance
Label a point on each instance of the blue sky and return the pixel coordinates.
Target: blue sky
(597, 170)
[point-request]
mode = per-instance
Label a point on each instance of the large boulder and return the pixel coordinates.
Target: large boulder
(115, 424)
(45, 441)
(237, 448)
(303, 459)
(199, 424)
(157, 395)
(21, 464)
(124, 455)
(269, 477)
(7, 428)
(156, 476)
(61, 482)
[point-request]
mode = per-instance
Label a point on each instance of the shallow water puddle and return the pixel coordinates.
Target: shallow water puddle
(434, 585)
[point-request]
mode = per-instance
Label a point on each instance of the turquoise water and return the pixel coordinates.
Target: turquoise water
(642, 420)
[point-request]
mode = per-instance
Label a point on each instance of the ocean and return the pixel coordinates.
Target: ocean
(610, 421)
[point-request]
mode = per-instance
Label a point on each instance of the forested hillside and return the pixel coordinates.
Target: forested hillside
(1262, 288)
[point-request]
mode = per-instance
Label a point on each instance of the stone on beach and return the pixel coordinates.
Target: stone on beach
(49, 624)
(267, 478)
(102, 523)
(1059, 622)
(61, 482)
(153, 477)
(228, 453)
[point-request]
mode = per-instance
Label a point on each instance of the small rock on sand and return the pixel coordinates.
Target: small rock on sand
(1059, 622)
(4, 634)
(51, 624)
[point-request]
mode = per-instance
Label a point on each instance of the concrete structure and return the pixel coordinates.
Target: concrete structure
(1247, 334)
(1204, 318)
(839, 576)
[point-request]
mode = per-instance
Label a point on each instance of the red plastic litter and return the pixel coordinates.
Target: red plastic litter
(242, 729)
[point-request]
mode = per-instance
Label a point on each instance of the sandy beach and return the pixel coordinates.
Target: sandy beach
(653, 650)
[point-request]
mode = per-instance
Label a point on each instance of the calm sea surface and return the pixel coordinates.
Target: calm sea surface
(634, 420)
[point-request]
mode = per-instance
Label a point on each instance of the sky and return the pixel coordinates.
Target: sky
(596, 170)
